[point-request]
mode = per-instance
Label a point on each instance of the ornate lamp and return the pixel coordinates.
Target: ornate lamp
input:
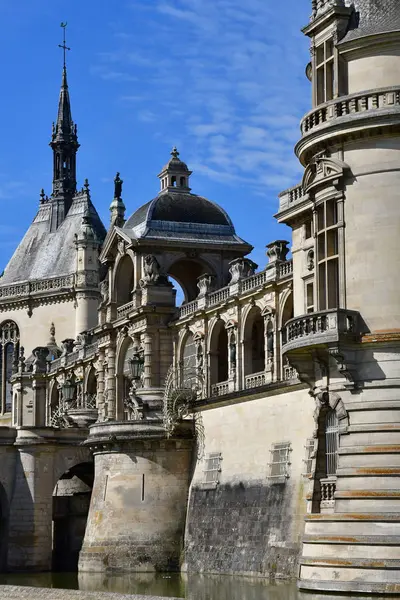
(136, 364)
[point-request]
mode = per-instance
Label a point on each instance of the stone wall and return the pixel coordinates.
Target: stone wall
(250, 523)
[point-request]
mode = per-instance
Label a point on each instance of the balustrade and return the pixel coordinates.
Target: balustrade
(255, 380)
(37, 286)
(218, 296)
(188, 309)
(328, 488)
(220, 389)
(373, 101)
(125, 309)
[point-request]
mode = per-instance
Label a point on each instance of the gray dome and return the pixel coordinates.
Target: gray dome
(183, 216)
(372, 17)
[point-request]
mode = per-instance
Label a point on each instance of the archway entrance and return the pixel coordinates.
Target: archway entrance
(71, 500)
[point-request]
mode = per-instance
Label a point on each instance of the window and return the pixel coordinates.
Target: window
(310, 448)
(309, 297)
(9, 350)
(327, 255)
(332, 442)
(279, 465)
(308, 230)
(324, 65)
(212, 470)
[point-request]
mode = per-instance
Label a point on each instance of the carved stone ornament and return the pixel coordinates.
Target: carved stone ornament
(104, 289)
(67, 346)
(121, 247)
(152, 272)
(277, 251)
(205, 284)
(40, 363)
(310, 259)
(323, 171)
(240, 268)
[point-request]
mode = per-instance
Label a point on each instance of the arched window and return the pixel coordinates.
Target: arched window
(219, 353)
(9, 350)
(254, 342)
(188, 364)
(326, 461)
(124, 281)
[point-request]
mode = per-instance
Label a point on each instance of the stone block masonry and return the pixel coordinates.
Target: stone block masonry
(15, 592)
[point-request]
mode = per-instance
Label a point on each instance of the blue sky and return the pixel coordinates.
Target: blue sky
(224, 80)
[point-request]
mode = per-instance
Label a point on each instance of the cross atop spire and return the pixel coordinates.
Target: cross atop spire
(63, 45)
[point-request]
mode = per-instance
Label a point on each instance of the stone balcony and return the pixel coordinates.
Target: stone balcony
(349, 114)
(321, 328)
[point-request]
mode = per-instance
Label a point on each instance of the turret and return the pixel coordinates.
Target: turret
(87, 268)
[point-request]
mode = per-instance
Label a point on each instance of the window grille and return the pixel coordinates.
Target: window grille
(332, 442)
(212, 469)
(310, 449)
(279, 465)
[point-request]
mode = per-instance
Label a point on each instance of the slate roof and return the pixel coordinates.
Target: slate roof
(42, 254)
(182, 216)
(373, 17)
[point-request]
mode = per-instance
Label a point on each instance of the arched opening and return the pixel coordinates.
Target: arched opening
(188, 362)
(219, 353)
(254, 342)
(129, 405)
(71, 500)
(326, 460)
(90, 395)
(54, 403)
(9, 351)
(186, 272)
(287, 371)
(183, 181)
(124, 280)
(180, 292)
(173, 181)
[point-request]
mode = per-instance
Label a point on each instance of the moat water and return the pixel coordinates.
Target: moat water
(193, 587)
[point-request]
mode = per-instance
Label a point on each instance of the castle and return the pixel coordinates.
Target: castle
(254, 429)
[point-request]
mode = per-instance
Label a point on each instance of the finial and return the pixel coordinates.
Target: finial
(42, 196)
(86, 186)
(63, 45)
(118, 186)
(174, 152)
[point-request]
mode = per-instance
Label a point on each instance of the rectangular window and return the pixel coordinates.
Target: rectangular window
(212, 470)
(309, 448)
(328, 255)
(308, 230)
(324, 64)
(279, 465)
(309, 297)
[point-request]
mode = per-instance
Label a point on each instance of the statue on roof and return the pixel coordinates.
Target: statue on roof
(117, 186)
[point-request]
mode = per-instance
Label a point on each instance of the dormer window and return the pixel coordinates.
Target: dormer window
(324, 67)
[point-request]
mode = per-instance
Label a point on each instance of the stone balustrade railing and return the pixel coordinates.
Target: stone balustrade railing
(218, 296)
(289, 373)
(254, 380)
(291, 197)
(283, 269)
(18, 290)
(320, 328)
(328, 489)
(125, 309)
(68, 360)
(220, 389)
(372, 102)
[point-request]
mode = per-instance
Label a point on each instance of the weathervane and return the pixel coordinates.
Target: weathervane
(63, 45)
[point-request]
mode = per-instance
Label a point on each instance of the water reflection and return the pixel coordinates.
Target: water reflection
(191, 587)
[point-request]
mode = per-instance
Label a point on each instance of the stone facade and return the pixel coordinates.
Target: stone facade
(255, 428)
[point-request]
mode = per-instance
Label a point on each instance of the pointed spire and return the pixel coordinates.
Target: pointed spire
(64, 143)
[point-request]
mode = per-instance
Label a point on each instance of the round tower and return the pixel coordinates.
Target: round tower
(344, 339)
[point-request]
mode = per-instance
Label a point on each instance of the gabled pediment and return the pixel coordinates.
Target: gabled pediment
(323, 172)
(114, 237)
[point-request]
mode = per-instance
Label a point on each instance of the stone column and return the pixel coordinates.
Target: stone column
(111, 383)
(232, 358)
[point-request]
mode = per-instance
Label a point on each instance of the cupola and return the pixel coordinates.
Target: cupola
(175, 175)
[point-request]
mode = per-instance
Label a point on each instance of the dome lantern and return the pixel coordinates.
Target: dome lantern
(175, 174)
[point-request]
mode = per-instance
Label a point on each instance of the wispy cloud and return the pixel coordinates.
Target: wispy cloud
(225, 76)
